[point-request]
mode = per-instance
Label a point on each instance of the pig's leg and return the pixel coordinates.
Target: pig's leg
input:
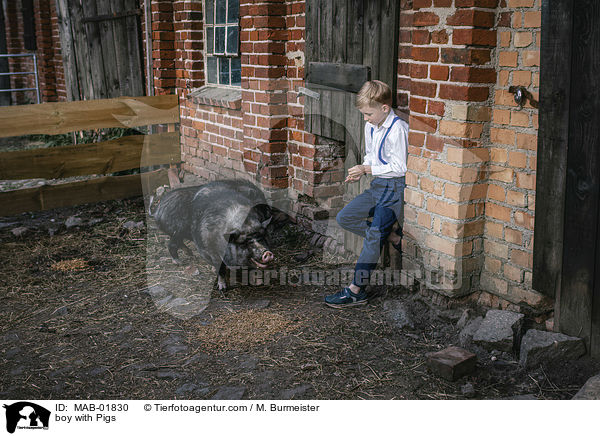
(174, 244)
(221, 283)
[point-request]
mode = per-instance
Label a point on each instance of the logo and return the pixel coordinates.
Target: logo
(26, 415)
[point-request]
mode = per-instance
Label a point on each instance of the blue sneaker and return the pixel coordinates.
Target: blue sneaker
(346, 298)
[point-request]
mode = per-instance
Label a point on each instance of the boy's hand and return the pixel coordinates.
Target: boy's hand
(356, 172)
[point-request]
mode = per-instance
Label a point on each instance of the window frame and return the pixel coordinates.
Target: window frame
(225, 55)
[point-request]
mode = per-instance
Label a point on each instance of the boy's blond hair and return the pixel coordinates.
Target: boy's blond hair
(373, 92)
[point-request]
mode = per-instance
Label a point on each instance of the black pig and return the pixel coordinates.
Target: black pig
(228, 226)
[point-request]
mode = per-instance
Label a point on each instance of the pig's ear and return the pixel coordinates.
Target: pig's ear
(231, 237)
(266, 222)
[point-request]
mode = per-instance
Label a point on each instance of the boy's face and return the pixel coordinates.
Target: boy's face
(375, 114)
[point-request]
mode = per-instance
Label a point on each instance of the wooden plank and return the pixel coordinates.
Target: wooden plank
(96, 18)
(57, 118)
(83, 192)
(343, 77)
(105, 157)
(82, 53)
(388, 46)
(583, 176)
(109, 54)
(92, 34)
(372, 37)
(68, 50)
(338, 100)
(326, 53)
(309, 55)
(134, 54)
(555, 77)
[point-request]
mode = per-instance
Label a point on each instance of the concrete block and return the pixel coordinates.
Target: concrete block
(590, 390)
(539, 346)
(500, 330)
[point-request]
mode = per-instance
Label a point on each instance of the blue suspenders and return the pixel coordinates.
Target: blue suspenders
(383, 140)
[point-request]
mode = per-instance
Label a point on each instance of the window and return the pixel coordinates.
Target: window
(223, 63)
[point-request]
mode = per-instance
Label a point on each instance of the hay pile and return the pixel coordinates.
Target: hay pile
(242, 330)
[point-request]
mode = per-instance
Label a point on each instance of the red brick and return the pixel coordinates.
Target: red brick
(422, 88)
(421, 19)
(474, 37)
(439, 72)
(473, 75)
(439, 37)
(426, 54)
(471, 17)
(418, 4)
(491, 4)
(436, 108)
(421, 37)
(418, 71)
(454, 92)
(417, 105)
(465, 56)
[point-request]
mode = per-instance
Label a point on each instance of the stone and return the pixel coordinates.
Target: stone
(451, 363)
(397, 313)
(464, 319)
(590, 390)
(229, 393)
(499, 330)
(260, 304)
(467, 390)
(73, 221)
(19, 231)
(540, 346)
(465, 337)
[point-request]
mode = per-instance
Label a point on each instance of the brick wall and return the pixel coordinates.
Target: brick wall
(50, 68)
(510, 204)
(471, 180)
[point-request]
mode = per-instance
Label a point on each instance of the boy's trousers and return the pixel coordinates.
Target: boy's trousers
(384, 202)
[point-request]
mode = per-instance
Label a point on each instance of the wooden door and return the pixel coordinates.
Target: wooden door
(347, 43)
(101, 48)
(567, 222)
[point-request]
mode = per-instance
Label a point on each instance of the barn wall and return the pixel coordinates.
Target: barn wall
(470, 186)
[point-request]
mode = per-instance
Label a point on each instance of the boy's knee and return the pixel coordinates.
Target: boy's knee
(341, 218)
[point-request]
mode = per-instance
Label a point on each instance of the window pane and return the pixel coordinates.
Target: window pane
(224, 71)
(236, 71)
(210, 40)
(232, 39)
(212, 70)
(219, 40)
(210, 11)
(233, 14)
(221, 8)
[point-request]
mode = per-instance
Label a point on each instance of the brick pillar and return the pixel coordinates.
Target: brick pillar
(263, 36)
(163, 47)
(450, 70)
(189, 45)
(45, 50)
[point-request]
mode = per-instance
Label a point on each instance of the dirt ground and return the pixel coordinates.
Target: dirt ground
(82, 318)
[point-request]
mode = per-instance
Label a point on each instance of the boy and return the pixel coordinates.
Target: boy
(386, 139)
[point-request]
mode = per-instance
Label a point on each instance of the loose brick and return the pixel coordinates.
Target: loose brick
(452, 363)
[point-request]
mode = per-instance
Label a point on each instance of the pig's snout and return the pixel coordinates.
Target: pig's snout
(267, 257)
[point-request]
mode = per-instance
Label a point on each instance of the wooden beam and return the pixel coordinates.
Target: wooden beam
(57, 118)
(105, 157)
(555, 79)
(83, 192)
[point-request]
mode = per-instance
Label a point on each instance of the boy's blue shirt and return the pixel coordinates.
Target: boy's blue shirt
(387, 159)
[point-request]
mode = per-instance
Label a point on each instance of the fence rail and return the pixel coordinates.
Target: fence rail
(126, 153)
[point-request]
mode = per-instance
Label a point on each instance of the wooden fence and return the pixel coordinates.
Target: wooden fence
(128, 152)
